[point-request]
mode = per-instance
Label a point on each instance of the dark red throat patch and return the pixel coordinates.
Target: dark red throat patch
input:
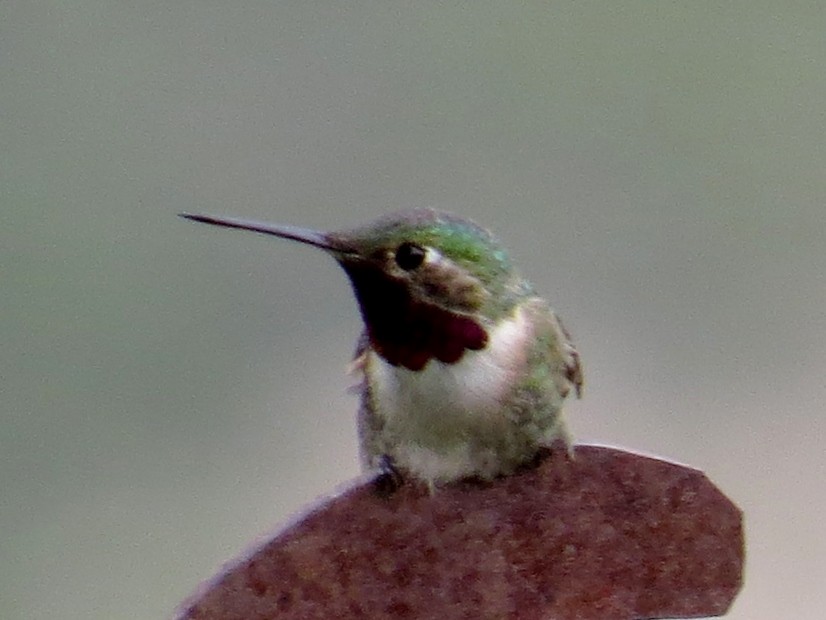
(427, 332)
(408, 332)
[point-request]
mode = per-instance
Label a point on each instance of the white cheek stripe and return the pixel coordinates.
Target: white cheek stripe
(432, 256)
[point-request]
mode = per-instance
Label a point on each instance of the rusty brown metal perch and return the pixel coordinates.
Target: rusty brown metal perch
(606, 535)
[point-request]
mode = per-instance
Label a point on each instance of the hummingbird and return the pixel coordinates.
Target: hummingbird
(463, 368)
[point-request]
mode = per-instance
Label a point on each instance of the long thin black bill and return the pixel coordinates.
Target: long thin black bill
(303, 235)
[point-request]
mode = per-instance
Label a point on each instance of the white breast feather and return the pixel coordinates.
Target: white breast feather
(427, 412)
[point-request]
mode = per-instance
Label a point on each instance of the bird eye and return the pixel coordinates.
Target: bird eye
(409, 256)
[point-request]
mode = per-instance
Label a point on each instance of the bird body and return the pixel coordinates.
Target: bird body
(464, 369)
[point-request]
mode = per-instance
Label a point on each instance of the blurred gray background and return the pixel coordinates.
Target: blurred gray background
(169, 393)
